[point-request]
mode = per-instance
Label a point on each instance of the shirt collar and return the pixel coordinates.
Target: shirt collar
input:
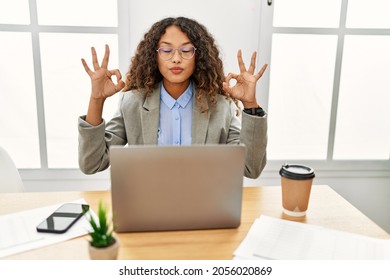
(183, 100)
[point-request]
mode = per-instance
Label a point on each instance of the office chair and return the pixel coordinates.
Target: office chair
(10, 180)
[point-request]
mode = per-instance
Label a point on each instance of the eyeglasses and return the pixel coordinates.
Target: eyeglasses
(184, 52)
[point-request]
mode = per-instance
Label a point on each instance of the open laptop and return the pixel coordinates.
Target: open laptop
(157, 188)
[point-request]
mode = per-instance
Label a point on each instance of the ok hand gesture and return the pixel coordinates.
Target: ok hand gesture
(245, 88)
(102, 85)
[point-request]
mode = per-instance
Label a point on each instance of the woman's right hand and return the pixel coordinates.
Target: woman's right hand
(102, 84)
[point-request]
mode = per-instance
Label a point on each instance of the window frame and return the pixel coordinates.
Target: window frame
(328, 168)
(44, 178)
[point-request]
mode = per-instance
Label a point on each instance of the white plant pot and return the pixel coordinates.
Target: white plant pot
(105, 253)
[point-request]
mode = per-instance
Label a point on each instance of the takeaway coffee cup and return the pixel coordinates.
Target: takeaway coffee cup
(296, 182)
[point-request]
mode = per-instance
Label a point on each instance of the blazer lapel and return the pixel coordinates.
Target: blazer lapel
(200, 121)
(150, 116)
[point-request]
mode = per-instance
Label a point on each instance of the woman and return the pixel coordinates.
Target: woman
(175, 94)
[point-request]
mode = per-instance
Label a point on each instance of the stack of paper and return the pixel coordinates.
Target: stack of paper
(18, 230)
(271, 238)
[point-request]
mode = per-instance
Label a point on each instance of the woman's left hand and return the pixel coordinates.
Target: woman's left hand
(245, 88)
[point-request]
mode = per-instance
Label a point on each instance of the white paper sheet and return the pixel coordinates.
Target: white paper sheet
(18, 230)
(271, 238)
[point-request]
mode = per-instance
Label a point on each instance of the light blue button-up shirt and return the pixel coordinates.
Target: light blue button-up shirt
(175, 125)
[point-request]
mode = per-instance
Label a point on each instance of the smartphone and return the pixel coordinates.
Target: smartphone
(63, 218)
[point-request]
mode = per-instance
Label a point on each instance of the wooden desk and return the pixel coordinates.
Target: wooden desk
(326, 208)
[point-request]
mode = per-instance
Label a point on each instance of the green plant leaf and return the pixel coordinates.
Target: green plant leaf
(102, 231)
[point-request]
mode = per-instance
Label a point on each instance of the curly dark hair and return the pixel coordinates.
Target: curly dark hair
(208, 75)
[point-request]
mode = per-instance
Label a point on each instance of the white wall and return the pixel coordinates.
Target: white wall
(229, 21)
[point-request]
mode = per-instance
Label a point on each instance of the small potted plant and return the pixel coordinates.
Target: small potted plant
(103, 245)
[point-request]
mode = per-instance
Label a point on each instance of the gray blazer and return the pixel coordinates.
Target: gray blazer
(136, 123)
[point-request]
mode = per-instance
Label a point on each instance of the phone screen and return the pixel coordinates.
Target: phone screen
(63, 218)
